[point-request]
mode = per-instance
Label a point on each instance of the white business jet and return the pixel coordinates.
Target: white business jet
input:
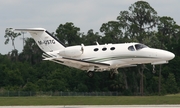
(97, 58)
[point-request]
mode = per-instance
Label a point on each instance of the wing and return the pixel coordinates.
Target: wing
(86, 65)
(83, 64)
(77, 63)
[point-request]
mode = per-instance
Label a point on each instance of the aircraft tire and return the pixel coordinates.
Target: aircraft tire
(90, 74)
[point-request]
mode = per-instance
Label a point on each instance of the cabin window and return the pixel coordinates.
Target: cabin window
(140, 46)
(112, 48)
(104, 49)
(96, 49)
(131, 48)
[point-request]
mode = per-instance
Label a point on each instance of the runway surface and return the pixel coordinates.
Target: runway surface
(98, 106)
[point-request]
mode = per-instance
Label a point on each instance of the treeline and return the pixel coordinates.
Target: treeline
(25, 71)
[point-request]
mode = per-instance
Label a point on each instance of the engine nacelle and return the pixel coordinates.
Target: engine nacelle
(71, 51)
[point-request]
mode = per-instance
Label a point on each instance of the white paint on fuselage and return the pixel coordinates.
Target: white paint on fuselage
(122, 56)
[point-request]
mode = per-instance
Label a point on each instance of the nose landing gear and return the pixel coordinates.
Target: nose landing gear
(153, 71)
(90, 74)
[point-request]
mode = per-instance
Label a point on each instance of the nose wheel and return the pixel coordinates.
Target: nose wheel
(90, 74)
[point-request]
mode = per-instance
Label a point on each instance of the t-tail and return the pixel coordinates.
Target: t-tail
(45, 40)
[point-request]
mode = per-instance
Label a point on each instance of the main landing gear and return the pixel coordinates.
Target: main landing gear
(113, 73)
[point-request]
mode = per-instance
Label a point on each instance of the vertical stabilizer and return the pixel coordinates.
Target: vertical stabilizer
(44, 39)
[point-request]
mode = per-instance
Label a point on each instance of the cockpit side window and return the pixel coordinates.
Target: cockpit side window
(140, 46)
(131, 48)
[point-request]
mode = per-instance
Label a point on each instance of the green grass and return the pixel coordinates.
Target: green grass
(99, 100)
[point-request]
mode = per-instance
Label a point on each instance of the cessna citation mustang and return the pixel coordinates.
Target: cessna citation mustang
(97, 58)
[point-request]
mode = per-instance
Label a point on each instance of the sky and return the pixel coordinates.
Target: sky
(85, 14)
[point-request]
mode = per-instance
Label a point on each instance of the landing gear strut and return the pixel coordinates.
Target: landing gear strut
(154, 71)
(112, 73)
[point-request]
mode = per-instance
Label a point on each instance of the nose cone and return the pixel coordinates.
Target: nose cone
(167, 55)
(170, 55)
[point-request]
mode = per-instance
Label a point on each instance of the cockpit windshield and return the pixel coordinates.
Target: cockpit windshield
(140, 46)
(131, 48)
(136, 47)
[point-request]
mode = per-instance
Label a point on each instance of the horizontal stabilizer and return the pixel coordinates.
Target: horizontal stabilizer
(31, 29)
(48, 59)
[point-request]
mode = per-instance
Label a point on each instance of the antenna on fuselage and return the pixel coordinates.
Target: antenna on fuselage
(97, 43)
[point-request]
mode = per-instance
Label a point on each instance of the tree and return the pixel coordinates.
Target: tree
(168, 31)
(171, 84)
(138, 24)
(112, 32)
(30, 87)
(10, 35)
(13, 77)
(141, 19)
(68, 34)
(91, 38)
(31, 52)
